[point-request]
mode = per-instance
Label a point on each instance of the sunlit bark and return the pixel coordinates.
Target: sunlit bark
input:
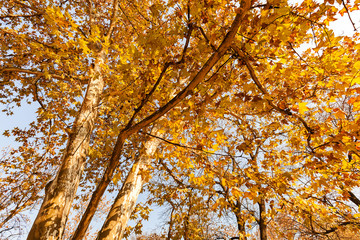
(60, 192)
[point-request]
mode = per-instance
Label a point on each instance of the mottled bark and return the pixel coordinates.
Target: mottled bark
(186, 224)
(169, 233)
(125, 201)
(100, 189)
(59, 194)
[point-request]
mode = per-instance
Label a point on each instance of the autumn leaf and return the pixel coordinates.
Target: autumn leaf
(303, 107)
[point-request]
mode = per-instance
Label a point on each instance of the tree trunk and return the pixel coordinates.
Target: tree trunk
(125, 201)
(169, 233)
(186, 224)
(262, 220)
(59, 193)
(241, 226)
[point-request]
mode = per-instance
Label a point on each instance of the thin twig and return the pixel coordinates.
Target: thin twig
(188, 35)
(348, 13)
(168, 170)
(146, 99)
(167, 65)
(186, 147)
(206, 38)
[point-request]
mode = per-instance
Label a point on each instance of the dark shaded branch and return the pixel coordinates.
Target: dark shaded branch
(36, 93)
(348, 13)
(146, 99)
(186, 147)
(206, 38)
(301, 58)
(20, 15)
(354, 199)
(188, 35)
(167, 65)
(176, 179)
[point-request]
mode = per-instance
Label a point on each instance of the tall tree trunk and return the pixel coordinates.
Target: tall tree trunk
(125, 201)
(236, 208)
(187, 223)
(169, 233)
(59, 194)
(262, 219)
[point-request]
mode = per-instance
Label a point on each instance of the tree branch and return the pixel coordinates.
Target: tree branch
(348, 13)
(113, 19)
(20, 15)
(30, 71)
(251, 70)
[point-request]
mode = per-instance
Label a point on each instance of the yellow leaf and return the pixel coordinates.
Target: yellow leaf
(303, 108)
(116, 178)
(357, 65)
(340, 114)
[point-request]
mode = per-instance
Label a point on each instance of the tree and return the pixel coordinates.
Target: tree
(114, 79)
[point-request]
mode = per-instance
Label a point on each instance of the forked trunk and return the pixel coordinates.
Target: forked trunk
(59, 194)
(133, 178)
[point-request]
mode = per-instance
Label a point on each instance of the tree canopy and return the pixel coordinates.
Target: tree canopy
(216, 108)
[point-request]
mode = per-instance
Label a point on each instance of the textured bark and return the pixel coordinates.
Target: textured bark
(100, 189)
(262, 220)
(186, 224)
(169, 234)
(236, 208)
(59, 194)
(125, 201)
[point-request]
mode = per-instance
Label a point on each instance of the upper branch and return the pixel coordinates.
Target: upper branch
(113, 19)
(264, 91)
(225, 45)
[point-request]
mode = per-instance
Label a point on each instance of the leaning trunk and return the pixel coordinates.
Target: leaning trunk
(125, 201)
(59, 194)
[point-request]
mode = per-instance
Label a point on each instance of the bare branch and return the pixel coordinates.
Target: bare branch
(348, 13)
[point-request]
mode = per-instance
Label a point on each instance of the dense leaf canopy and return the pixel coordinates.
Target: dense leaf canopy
(248, 110)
